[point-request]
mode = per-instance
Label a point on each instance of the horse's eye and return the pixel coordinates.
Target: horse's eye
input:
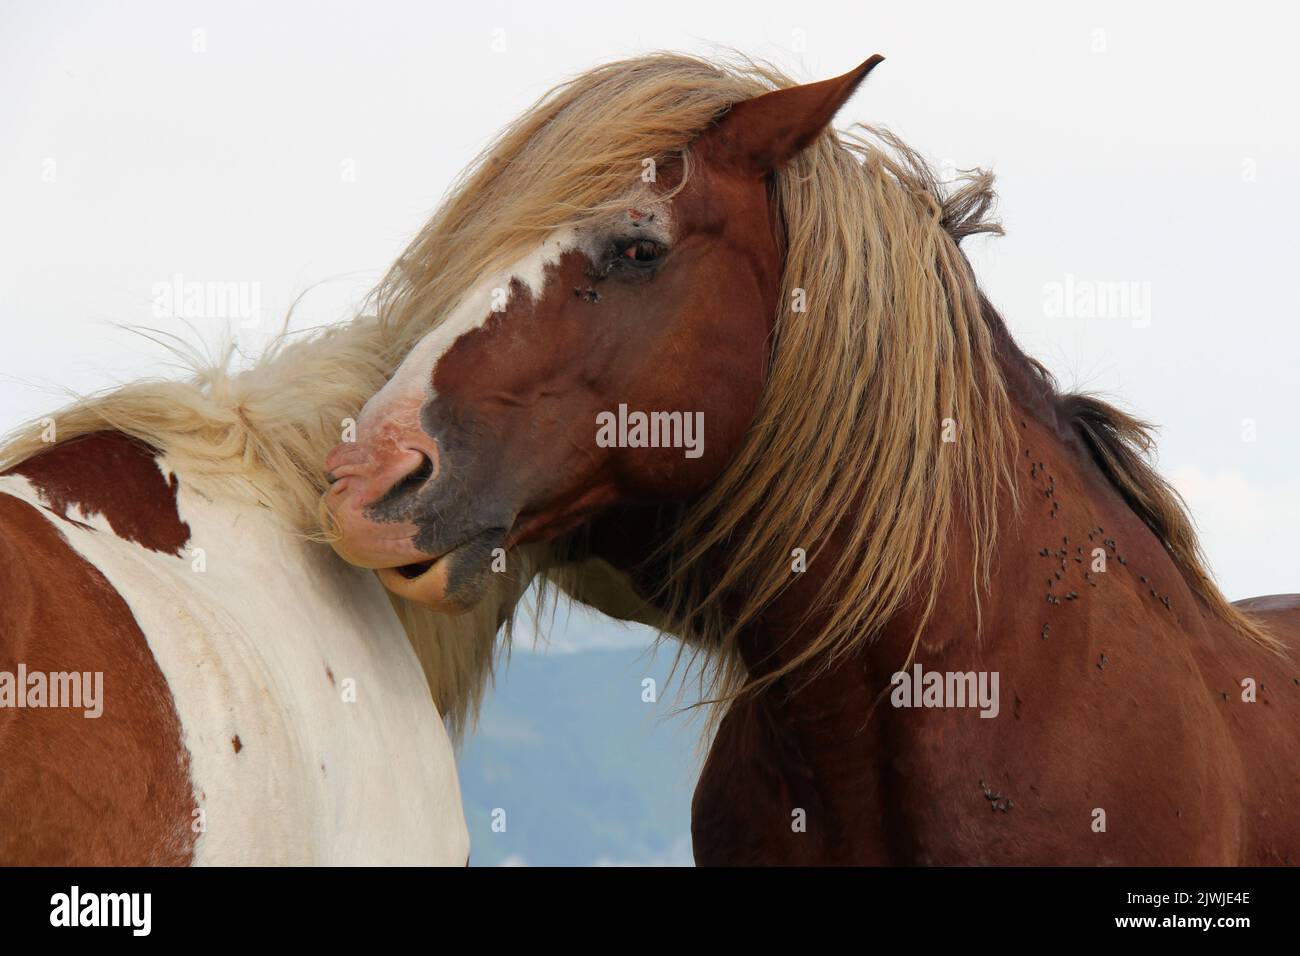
(641, 252)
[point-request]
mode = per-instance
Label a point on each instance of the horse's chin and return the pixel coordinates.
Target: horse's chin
(430, 587)
(450, 584)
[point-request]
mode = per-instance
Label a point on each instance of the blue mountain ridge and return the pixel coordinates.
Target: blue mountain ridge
(585, 771)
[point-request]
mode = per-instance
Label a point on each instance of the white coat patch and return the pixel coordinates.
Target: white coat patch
(357, 769)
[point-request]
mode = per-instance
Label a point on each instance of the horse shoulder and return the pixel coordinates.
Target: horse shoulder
(756, 802)
(300, 691)
(253, 685)
(80, 787)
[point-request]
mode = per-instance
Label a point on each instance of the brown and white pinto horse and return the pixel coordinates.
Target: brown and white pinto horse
(883, 480)
(256, 700)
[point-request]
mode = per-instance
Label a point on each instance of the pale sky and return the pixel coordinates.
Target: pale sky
(1146, 149)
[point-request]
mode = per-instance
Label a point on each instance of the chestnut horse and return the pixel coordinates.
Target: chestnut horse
(680, 328)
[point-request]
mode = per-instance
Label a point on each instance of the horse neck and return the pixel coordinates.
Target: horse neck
(1070, 552)
(1049, 542)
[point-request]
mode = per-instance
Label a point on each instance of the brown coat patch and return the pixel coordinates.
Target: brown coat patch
(110, 474)
(109, 791)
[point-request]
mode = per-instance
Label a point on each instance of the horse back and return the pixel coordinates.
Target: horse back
(1257, 691)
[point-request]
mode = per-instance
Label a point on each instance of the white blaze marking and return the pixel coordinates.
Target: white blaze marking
(415, 374)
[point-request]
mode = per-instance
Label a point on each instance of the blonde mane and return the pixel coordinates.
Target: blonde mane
(892, 343)
(892, 346)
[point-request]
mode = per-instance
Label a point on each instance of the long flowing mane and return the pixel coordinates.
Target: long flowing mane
(894, 339)
(893, 342)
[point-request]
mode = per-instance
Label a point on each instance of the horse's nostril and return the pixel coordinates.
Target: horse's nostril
(425, 471)
(413, 481)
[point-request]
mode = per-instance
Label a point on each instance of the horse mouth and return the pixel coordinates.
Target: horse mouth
(413, 571)
(452, 581)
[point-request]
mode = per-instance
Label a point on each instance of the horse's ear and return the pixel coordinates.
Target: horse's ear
(761, 134)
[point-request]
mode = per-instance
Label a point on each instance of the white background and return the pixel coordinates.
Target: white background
(1152, 143)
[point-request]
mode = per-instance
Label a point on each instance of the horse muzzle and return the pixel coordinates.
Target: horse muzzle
(386, 509)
